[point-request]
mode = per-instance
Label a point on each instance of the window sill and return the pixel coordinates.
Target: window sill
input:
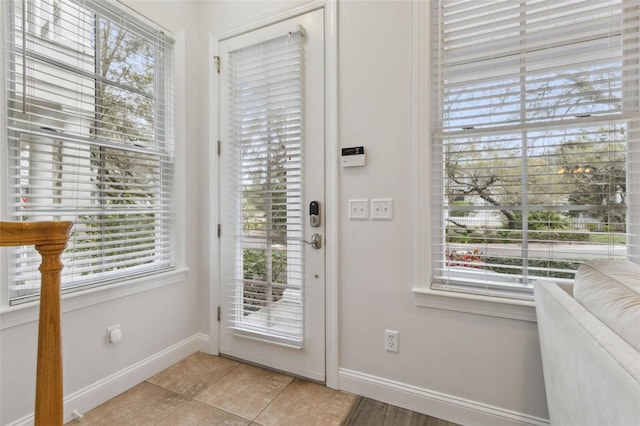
(482, 305)
(28, 312)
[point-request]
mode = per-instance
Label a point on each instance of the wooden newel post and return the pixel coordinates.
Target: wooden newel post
(50, 239)
(49, 397)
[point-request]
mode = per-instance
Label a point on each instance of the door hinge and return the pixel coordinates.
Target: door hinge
(218, 313)
(217, 59)
(219, 230)
(219, 148)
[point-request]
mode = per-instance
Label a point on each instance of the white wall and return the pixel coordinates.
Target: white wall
(161, 324)
(483, 359)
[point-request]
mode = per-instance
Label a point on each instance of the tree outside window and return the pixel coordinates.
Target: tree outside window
(532, 127)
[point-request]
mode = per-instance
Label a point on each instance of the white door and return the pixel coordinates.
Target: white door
(271, 183)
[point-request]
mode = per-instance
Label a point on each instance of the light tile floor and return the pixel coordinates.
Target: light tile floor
(208, 390)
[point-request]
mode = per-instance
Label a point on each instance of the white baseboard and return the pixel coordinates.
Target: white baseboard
(432, 403)
(117, 383)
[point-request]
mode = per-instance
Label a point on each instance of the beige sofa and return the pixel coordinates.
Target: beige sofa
(590, 344)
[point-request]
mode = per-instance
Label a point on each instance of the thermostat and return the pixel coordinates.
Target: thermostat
(353, 156)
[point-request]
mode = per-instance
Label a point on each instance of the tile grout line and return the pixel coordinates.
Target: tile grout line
(187, 399)
(239, 364)
(193, 398)
(213, 384)
(272, 399)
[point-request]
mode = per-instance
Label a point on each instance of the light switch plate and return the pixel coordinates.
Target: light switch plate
(359, 209)
(382, 208)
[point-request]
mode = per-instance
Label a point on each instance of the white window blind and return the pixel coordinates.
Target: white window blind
(266, 108)
(90, 140)
(536, 140)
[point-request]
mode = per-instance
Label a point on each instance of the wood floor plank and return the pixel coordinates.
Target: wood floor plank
(397, 416)
(368, 412)
(375, 413)
(432, 421)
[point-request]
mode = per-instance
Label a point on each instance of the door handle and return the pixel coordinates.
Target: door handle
(316, 241)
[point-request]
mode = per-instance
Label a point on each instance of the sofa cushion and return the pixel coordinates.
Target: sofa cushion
(611, 292)
(591, 374)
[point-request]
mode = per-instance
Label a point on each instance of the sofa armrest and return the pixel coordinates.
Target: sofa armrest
(592, 375)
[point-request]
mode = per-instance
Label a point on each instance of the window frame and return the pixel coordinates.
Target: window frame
(129, 283)
(423, 291)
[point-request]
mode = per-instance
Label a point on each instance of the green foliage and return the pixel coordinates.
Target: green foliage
(476, 259)
(129, 62)
(542, 220)
(607, 238)
(475, 237)
(264, 204)
(106, 232)
(255, 264)
(536, 267)
(121, 180)
(514, 236)
(543, 226)
(453, 212)
(583, 168)
(257, 287)
(558, 236)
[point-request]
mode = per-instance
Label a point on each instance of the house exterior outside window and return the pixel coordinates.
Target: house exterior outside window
(90, 140)
(535, 134)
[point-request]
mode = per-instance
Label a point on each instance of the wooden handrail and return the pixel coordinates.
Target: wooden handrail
(50, 239)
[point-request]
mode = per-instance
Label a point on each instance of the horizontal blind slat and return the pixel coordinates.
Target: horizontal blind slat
(90, 139)
(265, 109)
(536, 116)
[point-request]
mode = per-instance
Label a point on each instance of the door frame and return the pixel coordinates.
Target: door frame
(331, 208)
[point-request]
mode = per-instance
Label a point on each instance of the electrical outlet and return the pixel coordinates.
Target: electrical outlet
(391, 340)
(114, 335)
